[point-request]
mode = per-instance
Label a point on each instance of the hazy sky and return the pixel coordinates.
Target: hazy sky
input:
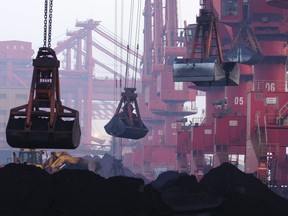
(23, 20)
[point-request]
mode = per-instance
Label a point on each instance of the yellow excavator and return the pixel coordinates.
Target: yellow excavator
(29, 157)
(63, 160)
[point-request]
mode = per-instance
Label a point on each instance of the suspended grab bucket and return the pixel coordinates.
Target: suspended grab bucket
(244, 55)
(119, 127)
(126, 123)
(44, 122)
(205, 65)
(208, 73)
(65, 134)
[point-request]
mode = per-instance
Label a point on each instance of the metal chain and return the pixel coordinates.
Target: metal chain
(50, 23)
(45, 24)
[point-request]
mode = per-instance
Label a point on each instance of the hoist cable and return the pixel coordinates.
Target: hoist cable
(129, 41)
(127, 68)
(138, 18)
(137, 36)
(121, 36)
(131, 22)
(136, 68)
(115, 50)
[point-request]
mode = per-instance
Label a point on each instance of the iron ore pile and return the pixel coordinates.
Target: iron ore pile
(225, 190)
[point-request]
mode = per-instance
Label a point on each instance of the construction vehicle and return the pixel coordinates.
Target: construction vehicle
(63, 160)
(44, 122)
(29, 157)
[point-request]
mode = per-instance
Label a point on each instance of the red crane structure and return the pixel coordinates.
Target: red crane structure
(161, 101)
(245, 124)
(248, 123)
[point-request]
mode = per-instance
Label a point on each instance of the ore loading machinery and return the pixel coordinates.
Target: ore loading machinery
(44, 122)
(127, 122)
(161, 100)
(252, 34)
(245, 124)
(91, 96)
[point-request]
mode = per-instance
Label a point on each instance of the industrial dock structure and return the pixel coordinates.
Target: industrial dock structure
(246, 121)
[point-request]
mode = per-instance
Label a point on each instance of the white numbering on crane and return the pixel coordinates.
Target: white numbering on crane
(271, 87)
(173, 125)
(239, 101)
(160, 132)
(150, 138)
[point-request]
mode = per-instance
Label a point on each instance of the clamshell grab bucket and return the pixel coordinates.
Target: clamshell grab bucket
(208, 73)
(44, 122)
(244, 55)
(65, 133)
(118, 127)
(125, 123)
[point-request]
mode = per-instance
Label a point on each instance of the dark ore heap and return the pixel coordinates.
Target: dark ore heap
(225, 190)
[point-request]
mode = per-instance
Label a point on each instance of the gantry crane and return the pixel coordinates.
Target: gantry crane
(250, 128)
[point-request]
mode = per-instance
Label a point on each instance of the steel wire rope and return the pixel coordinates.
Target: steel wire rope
(108, 49)
(105, 55)
(115, 96)
(121, 37)
(111, 34)
(116, 40)
(137, 36)
(129, 42)
(120, 41)
(120, 59)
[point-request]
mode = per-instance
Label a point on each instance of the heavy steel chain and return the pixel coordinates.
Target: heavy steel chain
(45, 23)
(50, 23)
